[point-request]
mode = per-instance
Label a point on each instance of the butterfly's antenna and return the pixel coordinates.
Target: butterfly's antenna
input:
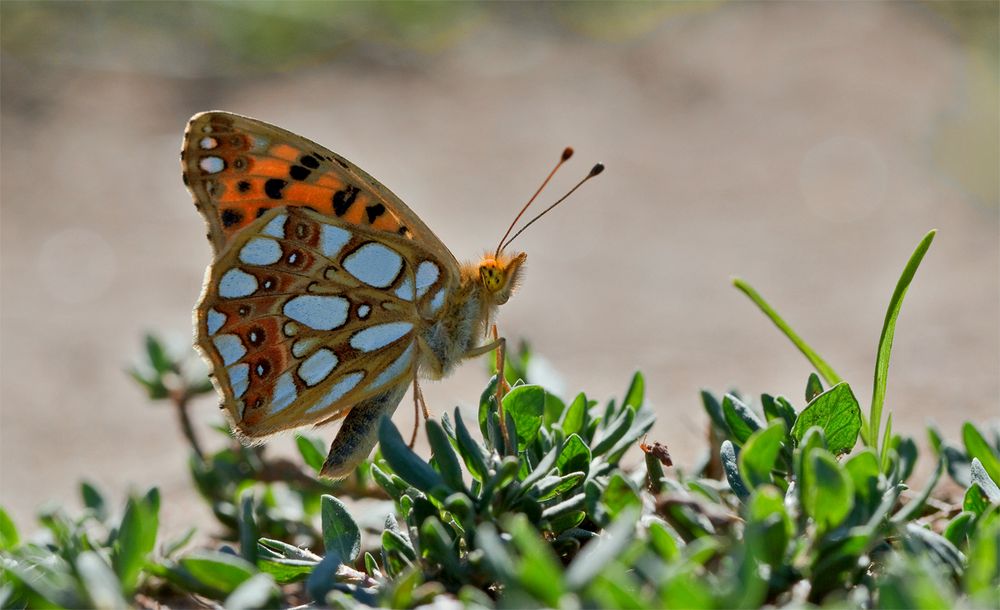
(597, 169)
(566, 154)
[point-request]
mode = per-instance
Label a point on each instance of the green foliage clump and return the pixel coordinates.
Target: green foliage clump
(537, 510)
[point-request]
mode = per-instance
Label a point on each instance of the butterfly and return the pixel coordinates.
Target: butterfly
(327, 295)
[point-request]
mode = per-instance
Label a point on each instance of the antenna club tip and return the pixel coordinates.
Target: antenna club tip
(567, 153)
(598, 168)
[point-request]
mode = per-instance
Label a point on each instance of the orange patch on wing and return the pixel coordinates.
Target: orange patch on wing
(307, 194)
(271, 168)
(329, 181)
(284, 151)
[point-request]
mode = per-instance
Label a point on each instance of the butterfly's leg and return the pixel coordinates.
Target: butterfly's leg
(499, 344)
(418, 404)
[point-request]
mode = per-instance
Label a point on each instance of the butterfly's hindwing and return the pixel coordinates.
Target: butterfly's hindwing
(304, 315)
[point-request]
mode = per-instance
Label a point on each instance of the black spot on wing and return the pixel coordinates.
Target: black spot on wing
(297, 172)
(243, 186)
(231, 217)
(273, 188)
(343, 199)
(309, 161)
(374, 211)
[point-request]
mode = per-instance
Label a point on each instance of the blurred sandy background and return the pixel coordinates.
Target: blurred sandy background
(806, 147)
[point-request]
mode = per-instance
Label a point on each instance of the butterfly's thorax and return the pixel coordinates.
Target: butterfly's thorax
(459, 329)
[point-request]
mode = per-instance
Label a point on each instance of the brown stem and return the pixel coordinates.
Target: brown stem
(180, 400)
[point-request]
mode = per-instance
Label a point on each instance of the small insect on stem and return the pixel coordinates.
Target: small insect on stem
(657, 450)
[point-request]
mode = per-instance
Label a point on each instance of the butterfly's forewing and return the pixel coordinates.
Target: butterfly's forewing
(239, 168)
(303, 316)
(282, 305)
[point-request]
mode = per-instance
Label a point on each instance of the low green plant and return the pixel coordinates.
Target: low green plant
(787, 511)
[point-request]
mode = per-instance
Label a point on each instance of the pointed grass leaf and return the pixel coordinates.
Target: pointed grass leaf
(525, 405)
(341, 534)
(977, 447)
(730, 465)
(444, 456)
(828, 491)
(885, 340)
(837, 412)
(818, 363)
(758, 455)
(740, 419)
(405, 462)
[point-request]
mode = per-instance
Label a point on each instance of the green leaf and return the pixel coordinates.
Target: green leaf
(258, 591)
(778, 408)
(574, 417)
(93, 500)
(341, 534)
(977, 447)
(959, 528)
(814, 387)
(757, 458)
(619, 496)
(539, 570)
(613, 431)
(100, 582)
(407, 464)
(863, 469)
(730, 465)
(982, 574)
(323, 577)
(885, 340)
(221, 572)
(311, 450)
(136, 538)
(596, 555)
(157, 355)
(986, 483)
(472, 452)
(740, 419)
(818, 363)
(574, 457)
(444, 456)
(248, 528)
(714, 411)
(636, 391)
(438, 545)
(9, 538)
(769, 528)
(525, 404)
(828, 491)
(836, 411)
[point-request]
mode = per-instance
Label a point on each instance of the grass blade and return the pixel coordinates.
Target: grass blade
(885, 341)
(824, 369)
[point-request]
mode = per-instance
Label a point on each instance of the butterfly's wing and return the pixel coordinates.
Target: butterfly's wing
(304, 316)
(239, 168)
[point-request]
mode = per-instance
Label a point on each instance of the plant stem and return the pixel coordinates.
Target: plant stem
(180, 399)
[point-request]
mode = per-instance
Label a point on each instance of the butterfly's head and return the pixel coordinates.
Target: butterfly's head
(500, 274)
